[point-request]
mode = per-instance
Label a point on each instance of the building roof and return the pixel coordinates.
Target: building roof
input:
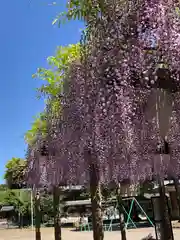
(78, 203)
(110, 201)
(6, 208)
(64, 188)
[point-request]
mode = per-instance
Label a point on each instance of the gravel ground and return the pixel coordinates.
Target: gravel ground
(68, 234)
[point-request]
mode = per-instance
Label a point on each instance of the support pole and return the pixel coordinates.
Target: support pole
(165, 226)
(177, 188)
(37, 216)
(121, 215)
(95, 190)
(32, 211)
(57, 217)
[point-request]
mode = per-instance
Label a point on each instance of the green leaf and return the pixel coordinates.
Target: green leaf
(53, 86)
(55, 21)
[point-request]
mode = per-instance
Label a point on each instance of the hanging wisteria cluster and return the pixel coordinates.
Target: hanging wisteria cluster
(134, 56)
(116, 98)
(37, 157)
(73, 131)
(58, 158)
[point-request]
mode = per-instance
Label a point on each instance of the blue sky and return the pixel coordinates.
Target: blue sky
(27, 39)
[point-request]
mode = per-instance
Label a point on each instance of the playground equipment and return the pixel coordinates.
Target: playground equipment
(134, 201)
(129, 222)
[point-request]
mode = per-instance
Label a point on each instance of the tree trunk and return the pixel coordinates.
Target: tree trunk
(97, 221)
(37, 217)
(57, 217)
(166, 227)
(121, 214)
(95, 189)
(177, 188)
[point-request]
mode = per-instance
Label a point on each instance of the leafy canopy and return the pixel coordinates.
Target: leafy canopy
(52, 89)
(20, 199)
(58, 67)
(15, 172)
(80, 10)
(39, 125)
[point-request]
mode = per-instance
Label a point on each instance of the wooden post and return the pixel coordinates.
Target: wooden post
(174, 205)
(177, 188)
(57, 217)
(37, 217)
(166, 227)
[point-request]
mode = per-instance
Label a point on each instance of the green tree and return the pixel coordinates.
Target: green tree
(46, 207)
(15, 173)
(20, 199)
(3, 187)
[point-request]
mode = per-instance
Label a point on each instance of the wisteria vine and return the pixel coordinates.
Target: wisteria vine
(130, 53)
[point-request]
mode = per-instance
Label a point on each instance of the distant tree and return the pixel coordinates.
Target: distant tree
(3, 187)
(20, 200)
(15, 173)
(46, 203)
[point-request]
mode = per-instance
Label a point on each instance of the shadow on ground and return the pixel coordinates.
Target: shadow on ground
(115, 226)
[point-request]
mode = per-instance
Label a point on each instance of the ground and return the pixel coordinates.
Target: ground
(47, 234)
